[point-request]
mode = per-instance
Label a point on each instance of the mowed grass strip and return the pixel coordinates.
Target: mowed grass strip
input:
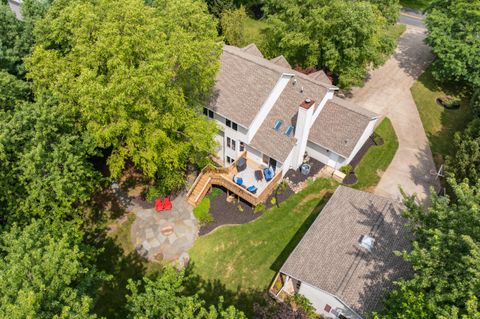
(246, 257)
(377, 158)
(439, 123)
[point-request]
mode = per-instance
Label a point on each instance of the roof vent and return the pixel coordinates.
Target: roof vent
(367, 242)
(301, 89)
(294, 81)
(308, 100)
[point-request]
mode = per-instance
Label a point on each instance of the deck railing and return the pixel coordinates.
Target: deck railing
(221, 176)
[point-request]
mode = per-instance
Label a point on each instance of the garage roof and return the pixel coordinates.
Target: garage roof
(330, 255)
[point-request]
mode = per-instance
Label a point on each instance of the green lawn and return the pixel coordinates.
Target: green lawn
(239, 262)
(415, 4)
(439, 124)
(377, 158)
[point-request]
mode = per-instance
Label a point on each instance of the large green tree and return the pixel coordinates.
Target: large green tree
(465, 163)
(445, 257)
(135, 76)
(46, 272)
(345, 37)
(454, 36)
(233, 26)
(12, 91)
(14, 45)
(44, 168)
(164, 297)
(16, 36)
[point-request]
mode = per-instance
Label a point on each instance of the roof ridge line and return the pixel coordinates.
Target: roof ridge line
(272, 66)
(351, 108)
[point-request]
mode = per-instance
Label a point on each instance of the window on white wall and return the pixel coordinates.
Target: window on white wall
(242, 146)
(231, 143)
(208, 112)
(231, 125)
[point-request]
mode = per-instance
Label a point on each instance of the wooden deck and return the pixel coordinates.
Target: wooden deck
(213, 176)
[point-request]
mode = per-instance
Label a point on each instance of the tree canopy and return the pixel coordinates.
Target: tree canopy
(135, 77)
(453, 35)
(233, 26)
(45, 272)
(465, 164)
(445, 257)
(12, 90)
(164, 297)
(44, 168)
(345, 37)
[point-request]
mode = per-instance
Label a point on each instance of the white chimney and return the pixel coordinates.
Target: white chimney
(302, 130)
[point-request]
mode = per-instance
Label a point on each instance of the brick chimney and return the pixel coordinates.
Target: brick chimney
(302, 130)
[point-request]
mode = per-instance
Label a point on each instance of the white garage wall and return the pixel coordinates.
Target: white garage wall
(366, 134)
(322, 155)
(320, 299)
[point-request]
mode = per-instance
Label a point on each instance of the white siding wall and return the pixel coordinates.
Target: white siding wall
(363, 139)
(253, 154)
(304, 122)
(320, 299)
(220, 149)
(322, 155)
(267, 105)
(288, 162)
(239, 136)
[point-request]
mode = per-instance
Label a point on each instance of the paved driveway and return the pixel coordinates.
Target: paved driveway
(387, 92)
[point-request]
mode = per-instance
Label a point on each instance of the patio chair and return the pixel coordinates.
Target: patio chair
(238, 180)
(268, 173)
(258, 175)
(167, 204)
(159, 205)
(252, 189)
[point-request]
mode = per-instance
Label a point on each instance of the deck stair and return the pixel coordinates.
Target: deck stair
(211, 176)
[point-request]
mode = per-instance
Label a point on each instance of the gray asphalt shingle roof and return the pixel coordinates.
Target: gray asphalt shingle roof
(245, 81)
(329, 256)
(339, 126)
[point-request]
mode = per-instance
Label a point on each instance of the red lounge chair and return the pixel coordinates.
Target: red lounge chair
(159, 205)
(167, 204)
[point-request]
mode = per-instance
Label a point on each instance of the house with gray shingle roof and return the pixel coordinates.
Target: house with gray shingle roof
(278, 116)
(346, 260)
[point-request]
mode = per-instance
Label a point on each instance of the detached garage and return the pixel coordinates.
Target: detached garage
(346, 261)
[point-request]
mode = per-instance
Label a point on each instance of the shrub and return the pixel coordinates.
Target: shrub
(301, 302)
(202, 211)
(259, 208)
(346, 169)
(273, 201)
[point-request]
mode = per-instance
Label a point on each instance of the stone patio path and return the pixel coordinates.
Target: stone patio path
(165, 236)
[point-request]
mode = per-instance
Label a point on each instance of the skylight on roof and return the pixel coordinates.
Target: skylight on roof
(289, 130)
(277, 125)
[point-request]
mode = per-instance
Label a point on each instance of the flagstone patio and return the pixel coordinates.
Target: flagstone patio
(166, 236)
(161, 236)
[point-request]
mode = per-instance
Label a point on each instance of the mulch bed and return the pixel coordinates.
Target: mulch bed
(225, 213)
(350, 179)
(296, 176)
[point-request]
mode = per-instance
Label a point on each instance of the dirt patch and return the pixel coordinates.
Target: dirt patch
(310, 197)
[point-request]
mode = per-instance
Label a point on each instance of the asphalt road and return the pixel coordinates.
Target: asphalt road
(411, 18)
